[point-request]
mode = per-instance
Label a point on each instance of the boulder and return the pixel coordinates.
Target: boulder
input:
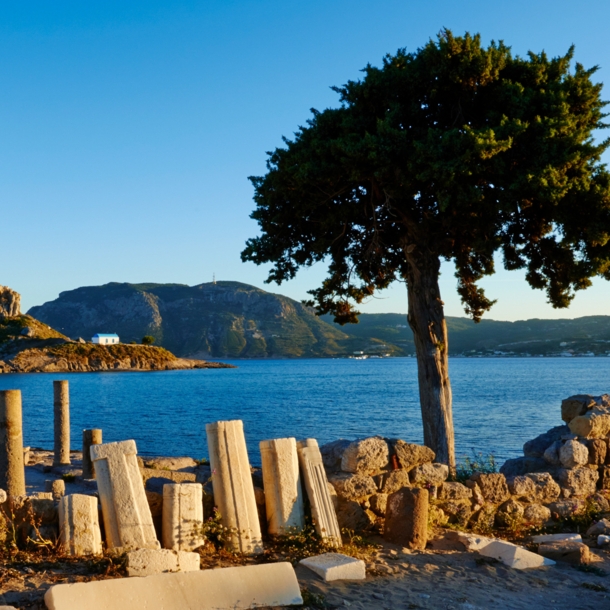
(565, 508)
(597, 451)
(522, 465)
(352, 486)
(493, 486)
(579, 482)
(352, 516)
(458, 511)
(573, 454)
(483, 519)
(430, 474)
(551, 455)
(392, 481)
(546, 488)
(410, 455)
(568, 551)
(378, 503)
(332, 453)
(170, 463)
(536, 514)
(604, 477)
(537, 446)
(600, 503)
(576, 405)
(522, 486)
(595, 423)
(601, 527)
(367, 456)
(452, 490)
(510, 513)
(10, 303)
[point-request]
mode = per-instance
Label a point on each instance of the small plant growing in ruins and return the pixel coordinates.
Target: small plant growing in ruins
(479, 462)
(68, 477)
(203, 462)
(316, 601)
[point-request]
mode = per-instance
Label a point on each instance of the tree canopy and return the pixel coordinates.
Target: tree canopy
(454, 151)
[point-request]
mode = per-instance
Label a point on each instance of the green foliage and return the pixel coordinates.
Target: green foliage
(479, 462)
(316, 601)
(454, 151)
(148, 340)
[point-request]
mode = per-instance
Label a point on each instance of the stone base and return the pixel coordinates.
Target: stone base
(568, 551)
(335, 566)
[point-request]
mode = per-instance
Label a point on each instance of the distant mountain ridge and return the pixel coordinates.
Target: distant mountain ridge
(236, 320)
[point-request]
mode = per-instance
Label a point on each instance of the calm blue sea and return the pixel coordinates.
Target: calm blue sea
(498, 403)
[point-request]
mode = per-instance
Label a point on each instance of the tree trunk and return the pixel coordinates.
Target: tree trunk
(427, 321)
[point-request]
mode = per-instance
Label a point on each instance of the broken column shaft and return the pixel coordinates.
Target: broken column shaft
(90, 437)
(12, 473)
(61, 423)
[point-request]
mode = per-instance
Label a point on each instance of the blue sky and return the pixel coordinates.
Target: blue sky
(128, 129)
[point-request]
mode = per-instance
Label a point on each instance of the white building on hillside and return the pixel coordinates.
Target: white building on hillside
(105, 339)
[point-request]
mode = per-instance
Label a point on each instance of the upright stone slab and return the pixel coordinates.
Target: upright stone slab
(232, 483)
(61, 423)
(79, 528)
(283, 495)
(90, 437)
(406, 518)
(12, 473)
(56, 487)
(127, 519)
(316, 484)
(182, 516)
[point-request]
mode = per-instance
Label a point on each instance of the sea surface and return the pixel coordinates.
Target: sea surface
(498, 403)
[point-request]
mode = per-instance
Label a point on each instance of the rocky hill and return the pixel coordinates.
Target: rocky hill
(223, 319)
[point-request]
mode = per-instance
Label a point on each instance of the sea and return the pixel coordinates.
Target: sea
(498, 403)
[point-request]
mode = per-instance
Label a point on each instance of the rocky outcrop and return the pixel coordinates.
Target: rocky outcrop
(10, 303)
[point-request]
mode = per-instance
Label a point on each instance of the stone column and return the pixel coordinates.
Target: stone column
(90, 437)
(58, 488)
(61, 423)
(283, 495)
(316, 484)
(182, 516)
(12, 473)
(127, 519)
(79, 528)
(406, 518)
(233, 488)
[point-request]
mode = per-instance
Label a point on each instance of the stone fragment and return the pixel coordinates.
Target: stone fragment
(316, 486)
(282, 482)
(233, 487)
(567, 551)
(545, 538)
(576, 405)
(546, 489)
(332, 454)
(3, 496)
(182, 516)
(406, 520)
(510, 513)
(90, 437)
(537, 446)
(127, 518)
(56, 487)
(521, 486)
(335, 566)
(522, 465)
(573, 454)
(389, 482)
(580, 482)
(145, 562)
(599, 502)
(353, 486)
(509, 554)
(430, 474)
(378, 503)
(483, 519)
(351, 516)
(170, 463)
(595, 423)
(61, 423)
(410, 455)
(493, 486)
(79, 528)
(452, 490)
(604, 479)
(458, 511)
(536, 514)
(597, 451)
(601, 527)
(603, 540)
(551, 455)
(238, 588)
(367, 456)
(565, 508)
(12, 472)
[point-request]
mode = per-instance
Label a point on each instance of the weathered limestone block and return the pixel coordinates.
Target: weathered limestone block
(595, 423)
(146, 562)
(458, 511)
(597, 451)
(389, 482)
(182, 516)
(282, 483)
(127, 518)
(335, 566)
(601, 502)
(536, 514)
(509, 513)
(430, 474)
(316, 485)
(484, 518)
(576, 405)
(523, 465)
(410, 455)
(10, 303)
(171, 463)
(170, 476)
(366, 456)
(573, 454)
(351, 516)
(233, 487)
(61, 423)
(546, 489)
(493, 486)
(406, 520)
(556, 538)
(378, 503)
(56, 487)
(332, 454)
(353, 486)
(79, 528)
(452, 490)
(567, 551)
(270, 584)
(12, 472)
(579, 482)
(604, 477)
(536, 447)
(522, 487)
(90, 437)
(601, 527)
(551, 455)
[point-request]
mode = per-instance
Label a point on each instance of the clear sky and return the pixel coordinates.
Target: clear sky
(128, 129)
